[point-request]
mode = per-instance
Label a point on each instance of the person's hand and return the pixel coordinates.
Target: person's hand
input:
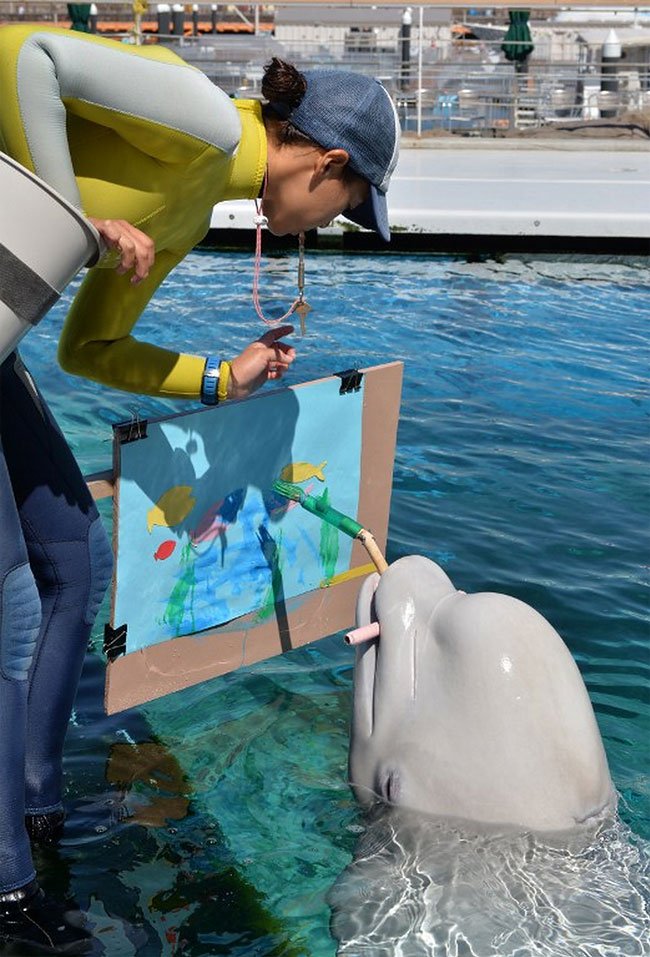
(136, 248)
(264, 359)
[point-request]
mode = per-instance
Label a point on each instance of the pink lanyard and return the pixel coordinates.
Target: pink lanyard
(261, 220)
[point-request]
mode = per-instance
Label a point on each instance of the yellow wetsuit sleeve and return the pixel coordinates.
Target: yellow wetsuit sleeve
(96, 341)
(126, 133)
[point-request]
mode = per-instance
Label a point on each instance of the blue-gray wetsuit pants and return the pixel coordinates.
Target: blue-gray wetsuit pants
(55, 565)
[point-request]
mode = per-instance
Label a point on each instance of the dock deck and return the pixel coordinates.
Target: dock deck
(598, 189)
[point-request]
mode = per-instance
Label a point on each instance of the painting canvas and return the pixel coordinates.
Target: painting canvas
(211, 562)
(203, 538)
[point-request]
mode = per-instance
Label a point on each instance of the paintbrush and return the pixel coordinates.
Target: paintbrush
(330, 515)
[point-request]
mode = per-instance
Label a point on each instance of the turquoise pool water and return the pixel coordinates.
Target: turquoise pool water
(214, 821)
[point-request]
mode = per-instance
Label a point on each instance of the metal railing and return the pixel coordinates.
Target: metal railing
(455, 98)
(452, 92)
(440, 80)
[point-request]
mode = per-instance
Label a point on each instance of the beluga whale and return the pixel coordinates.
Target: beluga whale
(491, 824)
(471, 706)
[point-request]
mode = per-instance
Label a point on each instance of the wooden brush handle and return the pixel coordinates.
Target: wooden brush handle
(371, 546)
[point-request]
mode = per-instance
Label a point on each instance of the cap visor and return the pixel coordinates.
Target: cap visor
(373, 214)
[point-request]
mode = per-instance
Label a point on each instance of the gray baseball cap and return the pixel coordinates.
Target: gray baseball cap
(343, 110)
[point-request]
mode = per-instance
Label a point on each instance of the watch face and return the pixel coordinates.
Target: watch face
(210, 381)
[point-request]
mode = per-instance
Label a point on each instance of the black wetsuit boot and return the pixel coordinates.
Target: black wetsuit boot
(33, 923)
(45, 829)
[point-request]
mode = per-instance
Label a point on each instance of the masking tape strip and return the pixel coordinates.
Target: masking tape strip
(348, 575)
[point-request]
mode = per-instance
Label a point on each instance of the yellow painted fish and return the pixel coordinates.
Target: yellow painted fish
(302, 471)
(172, 507)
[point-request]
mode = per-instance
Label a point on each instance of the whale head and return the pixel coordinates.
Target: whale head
(471, 707)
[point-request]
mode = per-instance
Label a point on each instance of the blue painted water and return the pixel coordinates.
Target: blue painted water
(215, 821)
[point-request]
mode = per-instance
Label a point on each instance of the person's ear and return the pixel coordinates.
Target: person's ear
(331, 164)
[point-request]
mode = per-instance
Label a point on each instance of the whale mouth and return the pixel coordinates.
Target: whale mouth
(389, 788)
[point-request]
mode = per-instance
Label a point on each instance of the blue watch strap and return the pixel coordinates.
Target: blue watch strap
(210, 381)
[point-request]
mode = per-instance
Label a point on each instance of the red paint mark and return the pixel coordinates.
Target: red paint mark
(165, 550)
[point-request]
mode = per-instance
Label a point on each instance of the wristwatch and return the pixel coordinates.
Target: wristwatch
(210, 381)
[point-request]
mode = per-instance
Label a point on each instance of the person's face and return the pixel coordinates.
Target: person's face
(308, 187)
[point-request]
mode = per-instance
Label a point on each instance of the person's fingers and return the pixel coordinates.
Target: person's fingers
(270, 337)
(137, 250)
(265, 359)
(145, 254)
(128, 256)
(137, 253)
(275, 366)
(281, 353)
(284, 348)
(276, 373)
(108, 230)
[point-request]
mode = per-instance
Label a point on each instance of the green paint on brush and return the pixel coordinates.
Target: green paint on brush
(329, 541)
(183, 590)
(320, 507)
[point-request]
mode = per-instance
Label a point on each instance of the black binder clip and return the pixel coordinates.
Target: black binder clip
(114, 641)
(350, 381)
(131, 431)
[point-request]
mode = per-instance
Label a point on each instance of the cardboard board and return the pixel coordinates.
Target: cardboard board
(215, 571)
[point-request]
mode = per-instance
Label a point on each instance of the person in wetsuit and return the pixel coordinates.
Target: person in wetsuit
(144, 145)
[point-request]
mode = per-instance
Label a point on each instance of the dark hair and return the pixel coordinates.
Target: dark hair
(283, 86)
(283, 83)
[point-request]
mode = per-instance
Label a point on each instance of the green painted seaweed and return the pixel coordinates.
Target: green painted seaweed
(181, 600)
(329, 542)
